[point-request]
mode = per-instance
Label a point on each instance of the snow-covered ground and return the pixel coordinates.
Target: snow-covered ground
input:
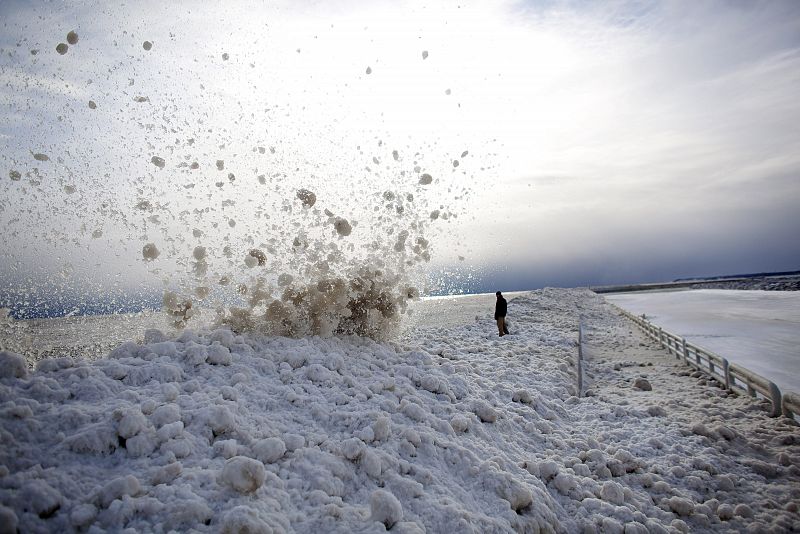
(448, 429)
(757, 329)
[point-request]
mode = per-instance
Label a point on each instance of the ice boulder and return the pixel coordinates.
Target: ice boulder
(117, 488)
(643, 384)
(613, 493)
(220, 420)
(484, 411)
(385, 508)
(141, 444)
(243, 519)
(515, 492)
(460, 423)
(12, 365)
(218, 355)
(81, 516)
(40, 497)
(353, 448)
(8, 520)
(131, 423)
(165, 414)
(381, 428)
(243, 474)
(269, 450)
(681, 506)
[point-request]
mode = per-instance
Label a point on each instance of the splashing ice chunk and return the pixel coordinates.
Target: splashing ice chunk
(425, 179)
(92, 104)
(62, 48)
(202, 292)
(72, 37)
(455, 163)
(178, 307)
(260, 257)
(369, 70)
(424, 54)
(147, 45)
(158, 162)
(41, 157)
(15, 175)
(464, 154)
(150, 252)
(225, 56)
(220, 164)
(199, 253)
(447, 91)
(342, 227)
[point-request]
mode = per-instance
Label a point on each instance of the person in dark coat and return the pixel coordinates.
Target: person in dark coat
(500, 310)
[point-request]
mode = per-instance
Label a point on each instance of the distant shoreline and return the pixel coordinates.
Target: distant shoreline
(789, 281)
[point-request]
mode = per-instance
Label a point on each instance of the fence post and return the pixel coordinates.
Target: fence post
(685, 351)
(660, 339)
(775, 397)
(726, 373)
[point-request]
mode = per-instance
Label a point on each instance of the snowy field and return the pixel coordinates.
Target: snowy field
(757, 329)
(448, 429)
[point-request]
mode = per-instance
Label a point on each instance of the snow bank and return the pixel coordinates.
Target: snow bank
(457, 431)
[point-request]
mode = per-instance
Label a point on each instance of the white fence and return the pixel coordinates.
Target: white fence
(735, 377)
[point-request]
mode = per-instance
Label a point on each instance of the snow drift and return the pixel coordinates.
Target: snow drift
(454, 430)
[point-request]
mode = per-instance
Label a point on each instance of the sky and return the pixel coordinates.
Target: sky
(606, 142)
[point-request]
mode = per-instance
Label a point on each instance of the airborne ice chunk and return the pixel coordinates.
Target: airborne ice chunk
(158, 162)
(41, 157)
(62, 48)
(424, 54)
(92, 104)
(72, 37)
(220, 164)
(307, 197)
(199, 252)
(342, 227)
(147, 45)
(12, 364)
(369, 70)
(425, 179)
(150, 252)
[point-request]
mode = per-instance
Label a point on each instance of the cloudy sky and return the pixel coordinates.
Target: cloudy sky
(606, 142)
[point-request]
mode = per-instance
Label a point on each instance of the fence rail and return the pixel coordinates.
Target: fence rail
(735, 377)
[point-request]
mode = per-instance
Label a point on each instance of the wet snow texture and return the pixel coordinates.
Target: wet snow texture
(453, 430)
